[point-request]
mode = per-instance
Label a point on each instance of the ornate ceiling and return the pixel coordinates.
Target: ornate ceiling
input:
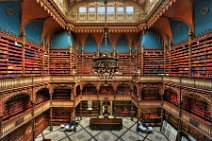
(140, 2)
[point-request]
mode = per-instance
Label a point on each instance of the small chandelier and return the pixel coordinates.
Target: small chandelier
(106, 64)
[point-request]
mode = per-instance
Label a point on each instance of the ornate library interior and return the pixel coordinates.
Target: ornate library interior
(105, 70)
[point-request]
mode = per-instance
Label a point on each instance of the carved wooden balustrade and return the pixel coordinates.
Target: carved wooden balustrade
(202, 126)
(22, 118)
(56, 103)
(150, 103)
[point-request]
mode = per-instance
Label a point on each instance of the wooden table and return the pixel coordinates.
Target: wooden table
(106, 124)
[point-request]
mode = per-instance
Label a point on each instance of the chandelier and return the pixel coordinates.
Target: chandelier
(106, 64)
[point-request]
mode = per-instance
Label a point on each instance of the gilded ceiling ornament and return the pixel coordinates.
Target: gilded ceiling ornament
(204, 10)
(10, 11)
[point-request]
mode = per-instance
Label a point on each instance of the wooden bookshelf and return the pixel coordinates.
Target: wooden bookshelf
(33, 60)
(151, 115)
(60, 115)
(171, 97)
(197, 107)
(41, 123)
(106, 90)
(89, 108)
(153, 62)
(23, 133)
(16, 105)
(45, 61)
(123, 90)
(42, 95)
(87, 64)
(62, 94)
(89, 90)
(122, 108)
(10, 56)
(201, 49)
(124, 63)
(151, 93)
(59, 62)
(180, 60)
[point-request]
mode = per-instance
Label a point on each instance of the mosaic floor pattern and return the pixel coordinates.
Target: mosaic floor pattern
(84, 133)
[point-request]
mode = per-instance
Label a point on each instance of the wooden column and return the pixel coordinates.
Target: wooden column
(170, 60)
(179, 117)
(111, 108)
(131, 110)
(130, 60)
(51, 94)
(72, 94)
(190, 52)
(70, 61)
(48, 47)
(164, 69)
(81, 110)
(139, 113)
(33, 121)
(23, 36)
(51, 126)
(43, 66)
(101, 110)
(142, 59)
(82, 64)
(73, 113)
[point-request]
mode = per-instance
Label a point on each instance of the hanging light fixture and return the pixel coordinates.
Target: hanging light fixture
(106, 64)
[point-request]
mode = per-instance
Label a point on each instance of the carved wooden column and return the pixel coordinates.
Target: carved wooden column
(33, 121)
(170, 60)
(130, 60)
(51, 94)
(81, 103)
(101, 109)
(190, 52)
(131, 110)
(48, 47)
(179, 117)
(71, 60)
(43, 65)
(23, 37)
(73, 113)
(142, 59)
(111, 108)
(81, 110)
(1, 113)
(164, 61)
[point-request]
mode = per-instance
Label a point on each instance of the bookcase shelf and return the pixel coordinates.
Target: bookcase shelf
(201, 58)
(23, 133)
(201, 49)
(42, 95)
(18, 59)
(153, 62)
(122, 108)
(151, 115)
(123, 90)
(171, 97)
(33, 60)
(197, 107)
(151, 93)
(107, 90)
(10, 56)
(89, 108)
(16, 105)
(62, 94)
(60, 115)
(59, 62)
(89, 90)
(41, 123)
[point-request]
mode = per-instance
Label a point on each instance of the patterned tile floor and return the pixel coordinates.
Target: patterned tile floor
(84, 133)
